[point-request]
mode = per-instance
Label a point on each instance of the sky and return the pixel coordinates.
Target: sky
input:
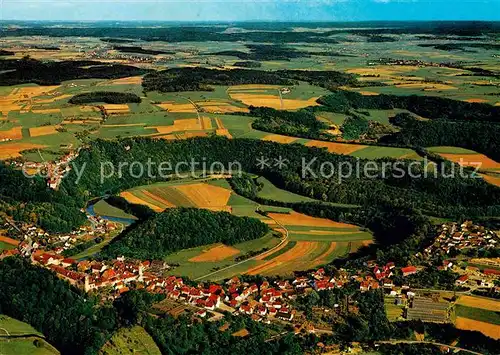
(250, 10)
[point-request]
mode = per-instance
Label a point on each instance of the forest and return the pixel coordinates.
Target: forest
(183, 228)
(140, 50)
(200, 79)
(435, 193)
(426, 106)
(108, 97)
(70, 320)
(28, 70)
(32, 201)
(477, 136)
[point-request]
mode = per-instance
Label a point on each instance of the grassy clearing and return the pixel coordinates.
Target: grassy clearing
(16, 327)
(131, 340)
(375, 152)
(102, 208)
(271, 192)
(393, 311)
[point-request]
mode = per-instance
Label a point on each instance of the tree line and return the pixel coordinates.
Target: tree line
(200, 79)
(28, 70)
(108, 97)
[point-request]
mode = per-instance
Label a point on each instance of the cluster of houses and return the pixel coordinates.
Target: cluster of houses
(36, 239)
(466, 236)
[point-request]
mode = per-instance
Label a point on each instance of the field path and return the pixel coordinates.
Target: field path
(277, 247)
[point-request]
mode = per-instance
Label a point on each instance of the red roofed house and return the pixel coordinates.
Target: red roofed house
(409, 270)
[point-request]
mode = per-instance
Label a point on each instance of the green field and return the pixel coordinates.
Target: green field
(102, 208)
(33, 343)
(133, 340)
(5, 246)
(271, 192)
(450, 150)
(478, 314)
(198, 269)
(394, 312)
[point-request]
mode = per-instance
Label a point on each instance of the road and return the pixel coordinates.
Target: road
(426, 342)
(283, 240)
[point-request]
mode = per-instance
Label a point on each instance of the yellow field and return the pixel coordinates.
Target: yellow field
(477, 101)
(278, 138)
(316, 232)
(47, 111)
(491, 330)
(220, 107)
(116, 108)
(221, 130)
(12, 134)
(368, 93)
(134, 199)
(132, 80)
(426, 86)
(189, 124)
(273, 101)
(157, 198)
(494, 180)
(12, 150)
(472, 160)
(174, 107)
(217, 253)
(337, 148)
(43, 131)
(206, 196)
(383, 70)
(479, 302)
(298, 219)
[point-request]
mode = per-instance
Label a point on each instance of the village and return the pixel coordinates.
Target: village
(264, 301)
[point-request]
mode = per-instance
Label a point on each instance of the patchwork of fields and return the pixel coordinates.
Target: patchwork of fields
(478, 313)
(311, 241)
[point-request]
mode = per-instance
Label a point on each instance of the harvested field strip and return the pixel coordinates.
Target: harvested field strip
(13, 150)
(494, 180)
(298, 219)
(479, 302)
(43, 131)
(473, 160)
(47, 111)
(286, 246)
(361, 236)
(158, 199)
(217, 253)
(8, 240)
(300, 249)
(221, 130)
(491, 330)
(173, 196)
(326, 256)
(189, 124)
(174, 107)
(273, 101)
(336, 148)
(130, 197)
(13, 133)
(278, 138)
(205, 195)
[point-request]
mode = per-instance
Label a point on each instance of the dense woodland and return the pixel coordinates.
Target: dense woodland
(140, 50)
(27, 70)
(183, 228)
(477, 136)
(425, 106)
(200, 79)
(439, 195)
(31, 201)
(108, 97)
(69, 319)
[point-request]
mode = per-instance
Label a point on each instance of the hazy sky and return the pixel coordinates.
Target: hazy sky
(244, 10)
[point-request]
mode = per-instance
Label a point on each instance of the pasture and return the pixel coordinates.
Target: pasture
(28, 340)
(131, 340)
